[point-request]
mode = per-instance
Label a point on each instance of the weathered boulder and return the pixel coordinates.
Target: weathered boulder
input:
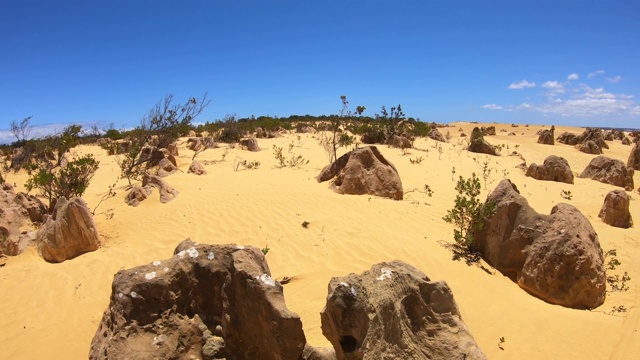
(197, 168)
(195, 144)
(608, 171)
(568, 138)
(205, 302)
(166, 168)
(401, 142)
(554, 168)
(546, 137)
(363, 171)
(615, 209)
(68, 232)
(137, 195)
(167, 192)
(173, 149)
(478, 144)
(626, 141)
(394, 311)
(593, 134)
(555, 257)
(251, 144)
(589, 147)
(634, 157)
(18, 212)
(436, 135)
(490, 130)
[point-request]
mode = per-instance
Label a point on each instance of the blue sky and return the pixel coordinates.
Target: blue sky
(102, 62)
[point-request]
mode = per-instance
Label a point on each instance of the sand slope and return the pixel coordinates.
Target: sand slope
(53, 310)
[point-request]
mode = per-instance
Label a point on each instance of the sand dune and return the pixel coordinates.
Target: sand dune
(52, 310)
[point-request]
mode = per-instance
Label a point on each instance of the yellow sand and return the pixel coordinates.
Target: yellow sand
(51, 311)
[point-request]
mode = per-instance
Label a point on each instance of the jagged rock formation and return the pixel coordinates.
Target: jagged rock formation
(634, 157)
(568, 138)
(167, 192)
(478, 144)
(554, 168)
(363, 171)
(555, 257)
(615, 209)
(166, 168)
(219, 301)
(608, 171)
(68, 232)
(546, 137)
(394, 311)
(251, 144)
(18, 212)
(436, 135)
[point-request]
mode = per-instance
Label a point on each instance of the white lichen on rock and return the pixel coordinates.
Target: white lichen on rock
(192, 252)
(240, 247)
(265, 278)
(386, 274)
(157, 263)
(150, 275)
(211, 256)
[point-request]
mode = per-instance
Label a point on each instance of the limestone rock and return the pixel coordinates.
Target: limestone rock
(546, 137)
(615, 209)
(478, 144)
(554, 168)
(394, 311)
(18, 212)
(68, 232)
(436, 135)
(172, 308)
(167, 192)
(634, 157)
(555, 257)
(173, 149)
(137, 195)
(589, 147)
(568, 138)
(251, 144)
(195, 144)
(401, 142)
(363, 171)
(197, 168)
(166, 168)
(608, 171)
(626, 141)
(593, 134)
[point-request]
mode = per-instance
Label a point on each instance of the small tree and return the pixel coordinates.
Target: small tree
(391, 122)
(69, 181)
(468, 212)
(21, 130)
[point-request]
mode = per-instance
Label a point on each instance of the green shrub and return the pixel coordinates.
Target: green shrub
(468, 213)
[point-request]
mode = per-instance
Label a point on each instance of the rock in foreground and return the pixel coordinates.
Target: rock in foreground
(17, 213)
(556, 257)
(68, 232)
(205, 302)
(394, 311)
(615, 209)
(363, 171)
(609, 171)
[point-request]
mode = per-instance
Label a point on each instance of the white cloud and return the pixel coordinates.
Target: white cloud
(573, 76)
(521, 85)
(554, 87)
(492, 107)
(595, 73)
(615, 79)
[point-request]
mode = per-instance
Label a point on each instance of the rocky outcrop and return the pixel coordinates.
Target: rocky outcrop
(173, 149)
(608, 171)
(137, 195)
(68, 232)
(626, 141)
(401, 142)
(589, 147)
(554, 168)
(555, 257)
(166, 168)
(634, 157)
(197, 168)
(546, 137)
(478, 144)
(595, 135)
(394, 311)
(490, 130)
(205, 302)
(195, 144)
(167, 192)
(18, 212)
(436, 135)
(251, 144)
(363, 171)
(615, 209)
(568, 138)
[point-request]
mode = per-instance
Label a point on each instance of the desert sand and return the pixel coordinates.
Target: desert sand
(51, 311)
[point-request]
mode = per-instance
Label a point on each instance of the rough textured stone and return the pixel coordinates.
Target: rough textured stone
(478, 144)
(401, 142)
(615, 209)
(173, 149)
(68, 232)
(170, 309)
(554, 168)
(595, 135)
(18, 212)
(634, 157)
(394, 311)
(195, 144)
(251, 144)
(626, 141)
(166, 168)
(137, 195)
(197, 168)
(568, 138)
(436, 135)
(490, 130)
(554, 257)
(167, 192)
(546, 137)
(363, 171)
(589, 147)
(608, 171)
